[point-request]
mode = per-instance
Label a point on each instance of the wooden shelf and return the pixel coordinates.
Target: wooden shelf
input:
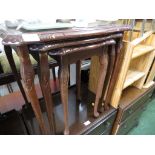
(141, 50)
(139, 54)
(131, 77)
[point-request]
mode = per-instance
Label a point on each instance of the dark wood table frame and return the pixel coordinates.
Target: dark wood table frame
(68, 46)
(75, 55)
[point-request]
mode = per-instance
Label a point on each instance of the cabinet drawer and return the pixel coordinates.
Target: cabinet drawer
(138, 103)
(131, 121)
(107, 132)
(103, 127)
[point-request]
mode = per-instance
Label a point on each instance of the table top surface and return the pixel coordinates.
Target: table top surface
(19, 37)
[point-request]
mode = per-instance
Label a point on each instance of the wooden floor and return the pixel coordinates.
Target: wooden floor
(79, 113)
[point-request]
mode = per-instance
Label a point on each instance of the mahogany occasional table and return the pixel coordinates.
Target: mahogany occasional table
(66, 46)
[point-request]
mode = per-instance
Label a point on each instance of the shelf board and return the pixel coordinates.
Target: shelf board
(131, 77)
(149, 84)
(141, 50)
(130, 94)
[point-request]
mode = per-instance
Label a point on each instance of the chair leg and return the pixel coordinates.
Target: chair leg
(25, 122)
(9, 87)
(8, 52)
(53, 72)
(9, 56)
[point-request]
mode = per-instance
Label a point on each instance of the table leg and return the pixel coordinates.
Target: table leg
(46, 90)
(27, 74)
(78, 80)
(118, 62)
(109, 74)
(102, 73)
(63, 78)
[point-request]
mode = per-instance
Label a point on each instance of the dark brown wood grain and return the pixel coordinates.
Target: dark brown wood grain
(46, 89)
(112, 53)
(118, 62)
(66, 46)
(63, 78)
(73, 33)
(72, 55)
(102, 74)
(44, 47)
(27, 74)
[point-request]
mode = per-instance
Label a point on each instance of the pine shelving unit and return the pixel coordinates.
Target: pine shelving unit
(138, 58)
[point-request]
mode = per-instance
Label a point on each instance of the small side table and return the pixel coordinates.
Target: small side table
(67, 46)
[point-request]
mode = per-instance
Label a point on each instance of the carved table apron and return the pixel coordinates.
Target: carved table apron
(59, 45)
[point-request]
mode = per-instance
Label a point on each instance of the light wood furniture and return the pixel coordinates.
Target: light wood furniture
(149, 24)
(151, 75)
(150, 79)
(139, 55)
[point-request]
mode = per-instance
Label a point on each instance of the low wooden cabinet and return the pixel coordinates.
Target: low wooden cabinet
(130, 108)
(131, 121)
(102, 126)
